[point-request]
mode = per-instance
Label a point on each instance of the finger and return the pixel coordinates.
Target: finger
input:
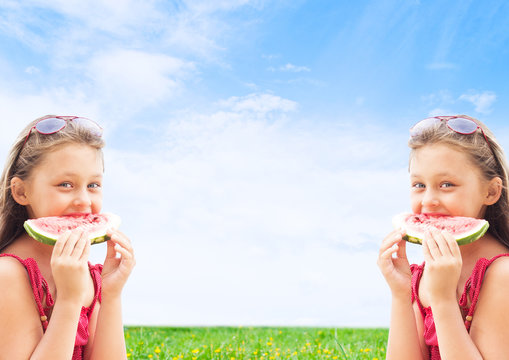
(392, 238)
(119, 238)
(428, 256)
(110, 250)
(84, 251)
(387, 255)
(79, 245)
(401, 254)
(434, 250)
(453, 245)
(71, 242)
(61, 241)
(442, 243)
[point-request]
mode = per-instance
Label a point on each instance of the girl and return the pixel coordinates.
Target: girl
(54, 304)
(453, 306)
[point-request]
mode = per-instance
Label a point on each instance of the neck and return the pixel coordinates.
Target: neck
(485, 247)
(26, 247)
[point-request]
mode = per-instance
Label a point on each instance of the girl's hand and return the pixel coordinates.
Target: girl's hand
(443, 265)
(394, 265)
(116, 270)
(69, 265)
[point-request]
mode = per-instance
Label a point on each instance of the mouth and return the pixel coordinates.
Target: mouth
(434, 214)
(77, 214)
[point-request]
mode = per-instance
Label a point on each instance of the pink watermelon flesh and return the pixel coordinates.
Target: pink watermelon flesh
(464, 229)
(48, 229)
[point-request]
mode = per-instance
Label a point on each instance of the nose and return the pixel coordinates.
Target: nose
(82, 199)
(429, 199)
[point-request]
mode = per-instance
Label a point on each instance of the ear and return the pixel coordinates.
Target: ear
(18, 191)
(494, 191)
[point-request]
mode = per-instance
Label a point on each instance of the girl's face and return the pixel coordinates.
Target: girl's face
(445, 181)
(67, 181)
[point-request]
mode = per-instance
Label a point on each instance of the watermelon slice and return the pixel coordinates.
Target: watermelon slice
(464, 229)
(48, 229)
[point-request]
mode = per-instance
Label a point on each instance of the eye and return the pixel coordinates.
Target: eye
(446, 185)
(94, 186)
(418, 185)
(65, 184)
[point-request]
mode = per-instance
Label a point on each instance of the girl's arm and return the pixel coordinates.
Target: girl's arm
(443, 269)
(403, 335)
(108, 338)
(21, 329)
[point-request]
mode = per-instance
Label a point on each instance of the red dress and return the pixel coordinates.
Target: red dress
(40, 289)
(471, 291)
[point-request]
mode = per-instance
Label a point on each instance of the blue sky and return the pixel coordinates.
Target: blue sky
(256, 150)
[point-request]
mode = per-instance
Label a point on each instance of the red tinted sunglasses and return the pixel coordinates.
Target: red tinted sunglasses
(459, 124)
(54, 124)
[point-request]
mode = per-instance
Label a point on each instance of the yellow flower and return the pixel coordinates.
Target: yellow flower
(157, 350)
(195, 351)
(150, 356)
(217, 350)
(128, 354)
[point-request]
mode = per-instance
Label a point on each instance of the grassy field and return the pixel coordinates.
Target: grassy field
(254, 343)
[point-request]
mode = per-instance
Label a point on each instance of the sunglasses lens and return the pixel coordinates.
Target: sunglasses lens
(423, 125)
(88, 124)
(50, 125)
(462, 125)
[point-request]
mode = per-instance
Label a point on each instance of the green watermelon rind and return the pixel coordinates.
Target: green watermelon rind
(472, 236)
(49, 240)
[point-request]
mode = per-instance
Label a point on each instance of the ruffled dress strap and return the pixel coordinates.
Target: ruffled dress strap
(473, 288)
(39, 287)
(429, 331)
(471, 291)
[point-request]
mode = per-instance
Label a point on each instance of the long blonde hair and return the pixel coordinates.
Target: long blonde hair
(487, 154)
(22, 159)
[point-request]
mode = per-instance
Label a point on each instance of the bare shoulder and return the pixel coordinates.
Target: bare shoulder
(18, 311)
(498, 271)
(14, 277)
(496, 276)
(489, 325)
(11, 271)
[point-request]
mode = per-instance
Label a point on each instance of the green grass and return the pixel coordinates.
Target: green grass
(254, 343)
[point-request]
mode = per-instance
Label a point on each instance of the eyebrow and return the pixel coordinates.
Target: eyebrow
(439, 174)
(74, 174)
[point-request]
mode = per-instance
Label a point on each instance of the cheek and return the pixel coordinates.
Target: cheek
(415, 204)
(97, 202)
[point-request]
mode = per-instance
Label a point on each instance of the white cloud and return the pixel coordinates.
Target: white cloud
(290, 68)
(136, 79)
(259, 103)
(482, 101)
(254, 211)
(32, 70)
(440, 112)
(71, 30)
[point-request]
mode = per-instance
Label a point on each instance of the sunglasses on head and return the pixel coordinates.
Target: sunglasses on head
(458, 124)
(53, 124)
